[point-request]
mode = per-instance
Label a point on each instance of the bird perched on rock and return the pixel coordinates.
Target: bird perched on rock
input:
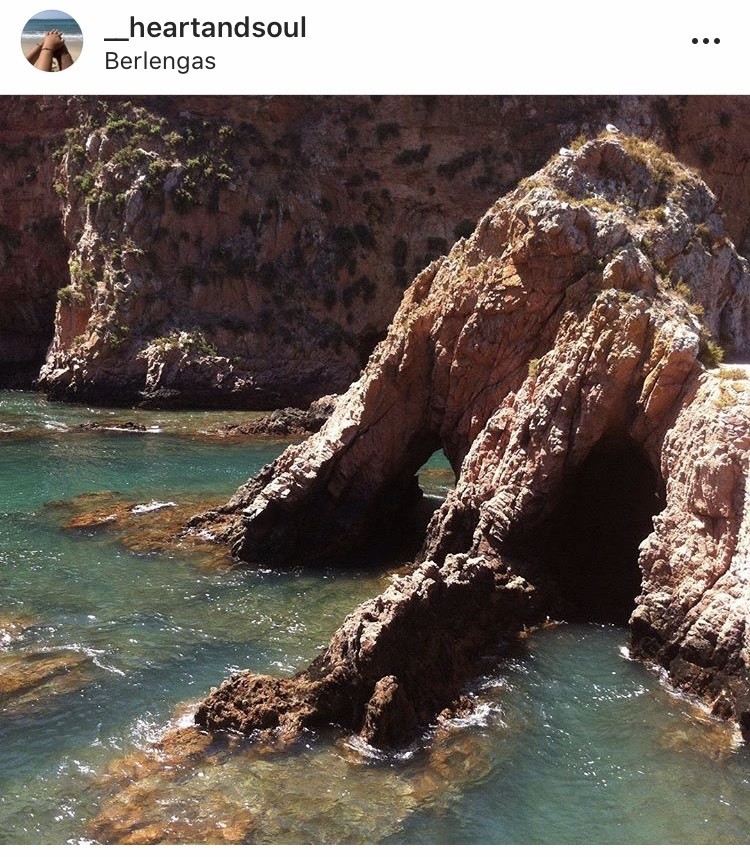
(612, 129)
(565, 151)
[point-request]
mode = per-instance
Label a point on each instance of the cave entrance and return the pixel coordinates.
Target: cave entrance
(590, 540)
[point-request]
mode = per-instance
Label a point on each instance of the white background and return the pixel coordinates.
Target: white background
(410, 46)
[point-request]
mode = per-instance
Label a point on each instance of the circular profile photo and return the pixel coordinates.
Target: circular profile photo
(51, 40)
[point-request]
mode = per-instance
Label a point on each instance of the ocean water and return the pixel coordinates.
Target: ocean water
(115, 632)
(35, 29)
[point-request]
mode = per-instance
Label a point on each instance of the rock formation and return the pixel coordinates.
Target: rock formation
(284, 422)
(252, 251)
(564, 357)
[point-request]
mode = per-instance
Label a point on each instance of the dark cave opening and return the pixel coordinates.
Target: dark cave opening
(590, 541)
(399, 519)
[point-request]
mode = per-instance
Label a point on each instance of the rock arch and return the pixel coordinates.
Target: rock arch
(569, 323)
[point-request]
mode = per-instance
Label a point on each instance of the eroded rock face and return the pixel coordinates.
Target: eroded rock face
(250, 252)
(580, 319)
(33, 250)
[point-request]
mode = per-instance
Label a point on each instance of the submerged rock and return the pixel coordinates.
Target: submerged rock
(192, 787)
(128, 425)
(28, 677)
(147, 527)
(13, 626)
(562, 358)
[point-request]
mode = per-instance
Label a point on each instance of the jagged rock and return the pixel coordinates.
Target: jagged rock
(285, 421)
(389, 714)
(561, 357)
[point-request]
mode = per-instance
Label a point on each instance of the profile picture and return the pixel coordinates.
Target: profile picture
(51, 40)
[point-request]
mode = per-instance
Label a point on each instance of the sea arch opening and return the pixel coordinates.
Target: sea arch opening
(398, 521)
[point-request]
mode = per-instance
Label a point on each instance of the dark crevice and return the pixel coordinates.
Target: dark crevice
(588, 544)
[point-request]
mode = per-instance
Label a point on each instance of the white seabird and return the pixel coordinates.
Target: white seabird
(565, 151)
(612, 129)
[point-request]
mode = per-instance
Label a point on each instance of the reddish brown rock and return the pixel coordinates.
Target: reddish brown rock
(284, 422)
(147, 527)
(251, 251)
(146, 806)
(30, 677)
(33, 250)
(13, 626)
(561, 357)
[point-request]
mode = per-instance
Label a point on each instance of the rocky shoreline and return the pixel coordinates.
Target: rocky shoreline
(579, 353)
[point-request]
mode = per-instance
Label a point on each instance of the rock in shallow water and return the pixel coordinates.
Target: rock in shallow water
(579, 319)
(285, 422)
(30, 677)
(13, 626)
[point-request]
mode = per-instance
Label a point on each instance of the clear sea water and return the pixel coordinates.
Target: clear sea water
(36, 28)
(571, 742)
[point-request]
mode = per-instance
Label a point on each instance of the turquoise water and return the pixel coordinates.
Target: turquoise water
(571, 742)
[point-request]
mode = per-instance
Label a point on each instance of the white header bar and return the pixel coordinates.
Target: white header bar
(392, 46)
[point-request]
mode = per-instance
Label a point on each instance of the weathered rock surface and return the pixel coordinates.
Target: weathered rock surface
(561, 357)
(33, 251)
(251, 251)
(284, 421)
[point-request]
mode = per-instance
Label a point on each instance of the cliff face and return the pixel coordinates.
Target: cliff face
(255, 257)
(33, 252)
(251, 251)
(561, 357)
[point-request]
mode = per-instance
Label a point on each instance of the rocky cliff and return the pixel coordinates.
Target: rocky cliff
(252, 251)
(33, 252)
(565, 358)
